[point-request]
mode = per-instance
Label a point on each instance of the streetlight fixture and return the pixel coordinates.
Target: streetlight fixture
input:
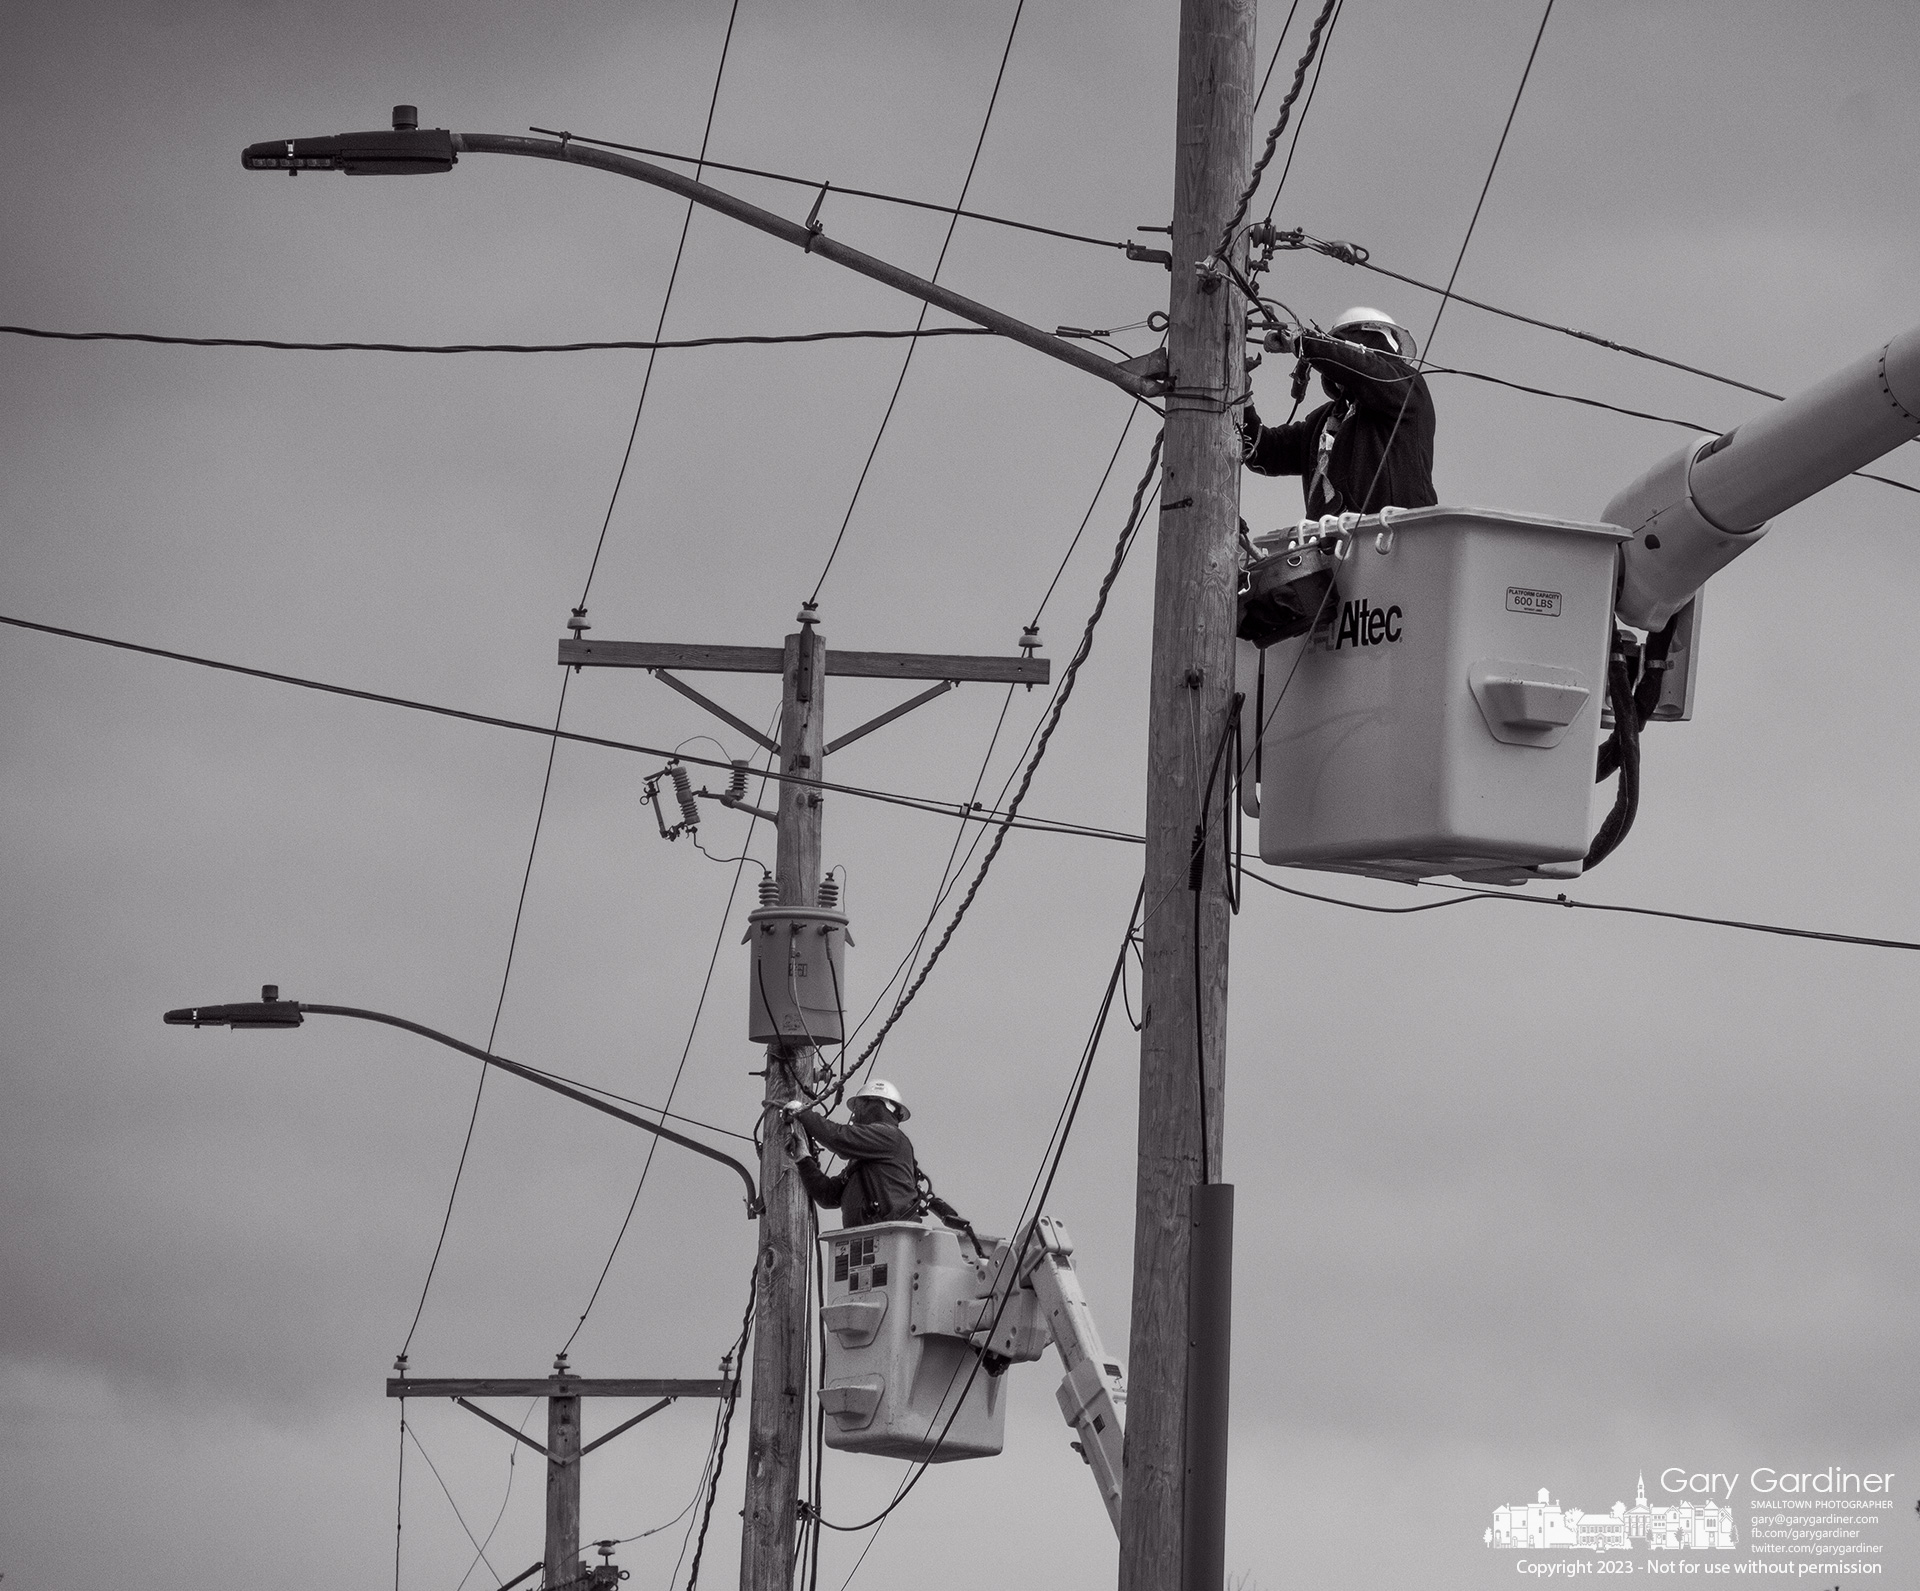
(410, 150)
(270, 1011)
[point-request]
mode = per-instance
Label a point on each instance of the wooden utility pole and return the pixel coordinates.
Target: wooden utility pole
(777, 1417)
(776, 1436)
(563, 1450)
(1182, 1042)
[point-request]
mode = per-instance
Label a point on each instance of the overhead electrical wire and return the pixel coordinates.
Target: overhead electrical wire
(994, 817)
(480, 1086)
(953, 222)
(453, 1505)
(1466, 241)
(834, 190)
(1038, 1191)
(949, 875)
(916, 803)
(1080, 654)
(657, 345)
(693, 1027)
(1306, 109)
(553, 747)
(1224, 247)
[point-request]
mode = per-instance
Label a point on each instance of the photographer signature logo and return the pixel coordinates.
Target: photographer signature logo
(1681, 1527)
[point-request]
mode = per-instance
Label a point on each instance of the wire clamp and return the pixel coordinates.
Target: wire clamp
(815, 226)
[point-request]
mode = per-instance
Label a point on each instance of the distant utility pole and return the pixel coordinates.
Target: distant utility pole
(563, 1451)
(1175, 1468)
(777, 1421)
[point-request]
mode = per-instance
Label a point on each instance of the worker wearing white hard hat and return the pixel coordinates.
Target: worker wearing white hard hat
(1370, 446)
(881, 1179)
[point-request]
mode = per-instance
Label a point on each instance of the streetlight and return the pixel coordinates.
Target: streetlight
(270, 1011)
(410, 150)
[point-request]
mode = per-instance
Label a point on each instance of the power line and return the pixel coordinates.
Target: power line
(657, 345)
(480, 1087)
(1467, 895)
(1459, 259)
(666, 301)
(1225, 245)
(1636, 414)
(1048, 1169)
(829, 786)
(686, 1049)
(1355, 254)
(1121, 548)
(452, 1504)
(999, 817)
(840, 192)
(900, 381)
(1306, 108)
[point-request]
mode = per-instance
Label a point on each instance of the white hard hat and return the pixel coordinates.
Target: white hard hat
(1361, 317)
(881, 1090)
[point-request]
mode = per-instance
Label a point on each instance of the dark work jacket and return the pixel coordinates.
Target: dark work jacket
(1370, 423)
(880, 1182)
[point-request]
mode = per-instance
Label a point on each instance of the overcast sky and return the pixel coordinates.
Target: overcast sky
(1526, 1198)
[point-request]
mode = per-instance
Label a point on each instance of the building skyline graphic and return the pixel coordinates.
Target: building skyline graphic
(1679, 1527)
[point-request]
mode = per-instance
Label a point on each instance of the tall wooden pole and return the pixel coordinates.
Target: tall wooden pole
(563, 1483)
(776, 1438)
(1192, 686)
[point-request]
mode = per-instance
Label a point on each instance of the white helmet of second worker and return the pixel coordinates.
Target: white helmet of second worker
(884, 1092)
(1387, 333)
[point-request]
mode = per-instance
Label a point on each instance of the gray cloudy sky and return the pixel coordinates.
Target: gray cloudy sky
(1526, 1198)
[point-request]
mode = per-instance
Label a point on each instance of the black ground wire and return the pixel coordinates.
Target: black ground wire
(1072, 672)
(1049, 1168)
(900, 381)
(839, 192)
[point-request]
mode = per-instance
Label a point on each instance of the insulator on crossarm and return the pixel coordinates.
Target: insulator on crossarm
(769, 890)
(683, 793)
(737, 784)
(829, 893)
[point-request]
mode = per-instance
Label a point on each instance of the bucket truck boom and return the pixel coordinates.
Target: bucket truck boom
(1702, 506)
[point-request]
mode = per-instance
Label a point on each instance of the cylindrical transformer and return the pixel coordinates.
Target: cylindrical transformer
(796, 983)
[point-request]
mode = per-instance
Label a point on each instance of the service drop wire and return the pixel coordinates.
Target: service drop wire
(1049, 1166)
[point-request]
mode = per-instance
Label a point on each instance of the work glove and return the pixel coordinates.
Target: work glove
(1249, 432)
(1282, 339)
(792, 1107)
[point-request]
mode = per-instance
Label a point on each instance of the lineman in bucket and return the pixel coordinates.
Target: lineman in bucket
(1371, 445)
(881, 1180)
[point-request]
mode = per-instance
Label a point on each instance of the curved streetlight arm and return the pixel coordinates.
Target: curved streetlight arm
(275, 1012)
(810, 239)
